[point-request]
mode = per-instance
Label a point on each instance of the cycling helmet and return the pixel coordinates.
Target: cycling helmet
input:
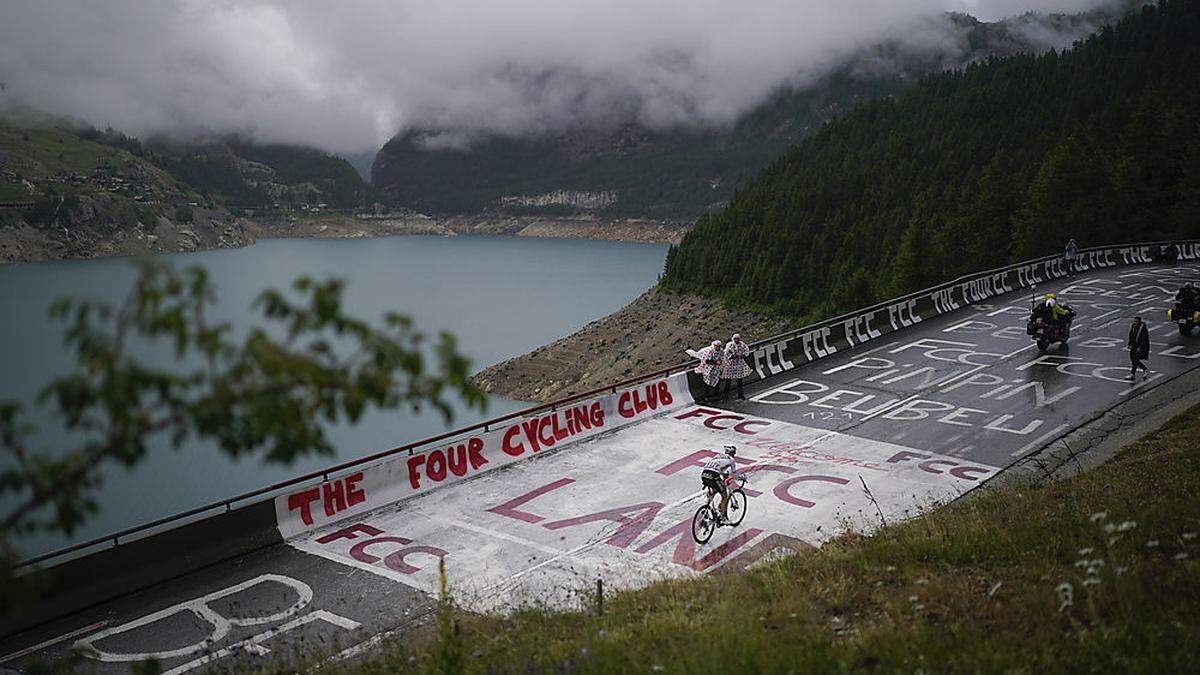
(731, 450)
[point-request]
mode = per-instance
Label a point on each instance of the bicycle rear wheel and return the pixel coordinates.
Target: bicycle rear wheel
(737, 507)
(703, 524)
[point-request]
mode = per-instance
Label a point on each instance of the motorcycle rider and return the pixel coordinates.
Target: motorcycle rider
(1186, 297)
(1054, 312)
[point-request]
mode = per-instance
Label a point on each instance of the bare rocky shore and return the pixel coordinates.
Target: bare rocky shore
(575, 227)
(648, 334)
(22, 243)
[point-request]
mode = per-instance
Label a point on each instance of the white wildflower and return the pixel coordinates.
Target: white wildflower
(1066, 595)
(913, 598)
(922, 581)
(1091, 581)
(1120, 569)
(1086, 551)
(1153, 543)
(1098, 516)
(1181, 556)
(1126, 526)
(918, 607)
(1188, 536)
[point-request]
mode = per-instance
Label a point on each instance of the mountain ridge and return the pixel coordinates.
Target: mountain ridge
(682, 172)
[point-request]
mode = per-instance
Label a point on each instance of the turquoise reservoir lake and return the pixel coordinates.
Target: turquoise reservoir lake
(501, 296)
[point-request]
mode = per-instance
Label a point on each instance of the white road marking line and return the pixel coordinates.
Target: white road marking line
(1012, 354)
(53, 641)
(579, 549)
(972, 371)
(1040, 439)
(454, 522)
(880, 412)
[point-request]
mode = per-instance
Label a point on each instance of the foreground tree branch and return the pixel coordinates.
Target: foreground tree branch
(273, 391)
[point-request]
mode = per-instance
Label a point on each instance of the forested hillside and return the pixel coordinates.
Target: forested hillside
(999, 161)
(630, 170)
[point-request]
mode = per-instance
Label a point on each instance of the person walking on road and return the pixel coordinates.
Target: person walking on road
(1070, 255)
(712, 359)
(1139, 347)
(737, 366)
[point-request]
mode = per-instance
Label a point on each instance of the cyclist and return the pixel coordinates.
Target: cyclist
(718, 473)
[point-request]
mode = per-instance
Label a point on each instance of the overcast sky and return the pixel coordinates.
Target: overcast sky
(346, 75)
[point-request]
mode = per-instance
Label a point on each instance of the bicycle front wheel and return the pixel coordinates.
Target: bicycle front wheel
(737, 507)
(703, 524)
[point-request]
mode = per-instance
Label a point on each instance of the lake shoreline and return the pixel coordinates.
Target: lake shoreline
(648, 334)
(22, 243)
(489, 292)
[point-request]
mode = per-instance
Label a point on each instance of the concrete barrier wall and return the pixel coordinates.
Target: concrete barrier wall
(783, 353)
(404, 476)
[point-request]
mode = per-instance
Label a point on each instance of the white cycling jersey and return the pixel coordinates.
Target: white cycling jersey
(722, 464)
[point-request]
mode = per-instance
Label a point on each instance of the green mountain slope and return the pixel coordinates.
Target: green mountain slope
(976, 167)
(679, 173)
(71, 180)
(46, 160)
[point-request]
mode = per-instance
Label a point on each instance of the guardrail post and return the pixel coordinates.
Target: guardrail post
(599, 597)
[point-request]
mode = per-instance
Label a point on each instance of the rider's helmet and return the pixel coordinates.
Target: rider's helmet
(730, 450)
(1187, 285)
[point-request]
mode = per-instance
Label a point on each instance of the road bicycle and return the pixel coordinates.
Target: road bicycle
(704, 523)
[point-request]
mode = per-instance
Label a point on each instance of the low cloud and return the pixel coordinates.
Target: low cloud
(346, 76)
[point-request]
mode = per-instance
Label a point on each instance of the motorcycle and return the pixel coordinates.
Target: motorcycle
(1044, 329)
(1186, 318)
(1047, 332)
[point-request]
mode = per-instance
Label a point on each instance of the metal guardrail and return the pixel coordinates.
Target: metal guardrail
(227, 504)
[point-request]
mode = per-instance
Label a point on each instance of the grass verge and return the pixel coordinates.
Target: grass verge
(1098, 572)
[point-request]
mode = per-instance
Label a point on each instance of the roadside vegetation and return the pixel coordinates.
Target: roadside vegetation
(1094, 573)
